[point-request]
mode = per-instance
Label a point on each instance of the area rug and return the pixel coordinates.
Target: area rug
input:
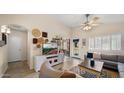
(104, 74)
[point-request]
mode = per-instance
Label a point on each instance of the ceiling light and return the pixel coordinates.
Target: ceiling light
(8, 31)
(5, 29)
(89, 24)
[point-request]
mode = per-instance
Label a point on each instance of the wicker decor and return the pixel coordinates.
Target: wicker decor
(36, 33)
(41, 40)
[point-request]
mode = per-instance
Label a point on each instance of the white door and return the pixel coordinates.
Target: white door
(17, 46)
(14, 48)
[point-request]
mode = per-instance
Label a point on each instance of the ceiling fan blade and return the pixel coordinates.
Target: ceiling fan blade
(94, 19)
(91, 22)
(94, 24)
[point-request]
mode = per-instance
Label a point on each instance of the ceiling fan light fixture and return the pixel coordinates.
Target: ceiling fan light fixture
(88, 24)
(89, 27)
(5, 29)
(8, 31)
(86, 28)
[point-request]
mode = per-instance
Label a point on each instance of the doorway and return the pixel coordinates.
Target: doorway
(17, 45)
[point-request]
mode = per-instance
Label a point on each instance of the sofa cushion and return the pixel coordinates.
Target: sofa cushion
(111, 67)
(121, 58)
(110, 64)
(109, 57)
(107, 62)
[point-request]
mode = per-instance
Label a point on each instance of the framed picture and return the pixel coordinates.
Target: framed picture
(44, 34)
(76, 41)
(35, 41)
(83, 42)
(4, 38)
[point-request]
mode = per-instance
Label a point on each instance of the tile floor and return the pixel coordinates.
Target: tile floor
(21, 69)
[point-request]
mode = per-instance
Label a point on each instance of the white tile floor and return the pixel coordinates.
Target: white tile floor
(68, 63)
(21, 69)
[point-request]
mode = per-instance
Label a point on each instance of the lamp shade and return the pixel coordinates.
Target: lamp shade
(3, 30)
(8, 31)
(3, 27)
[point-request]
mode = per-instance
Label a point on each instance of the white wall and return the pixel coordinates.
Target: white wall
(52, 27)
(22, 35)
(43, 22)
(101, 30)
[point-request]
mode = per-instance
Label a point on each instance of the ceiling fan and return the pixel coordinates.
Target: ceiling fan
(89, 24)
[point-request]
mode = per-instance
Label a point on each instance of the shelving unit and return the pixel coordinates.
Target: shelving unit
(53, 59)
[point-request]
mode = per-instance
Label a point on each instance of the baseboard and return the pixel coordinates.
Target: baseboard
(4, 70)
(76, 58)
(17, 61)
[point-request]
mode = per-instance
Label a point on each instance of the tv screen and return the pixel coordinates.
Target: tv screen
(89, 55)
(50, 49)
(50, 45)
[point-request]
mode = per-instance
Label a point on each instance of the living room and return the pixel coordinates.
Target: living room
(104, 39)
(51, 46)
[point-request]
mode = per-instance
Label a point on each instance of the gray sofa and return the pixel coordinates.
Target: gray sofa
(111, 61)
(115, 62)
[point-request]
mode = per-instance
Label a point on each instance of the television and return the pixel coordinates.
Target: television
(89, 55)
(50, 48)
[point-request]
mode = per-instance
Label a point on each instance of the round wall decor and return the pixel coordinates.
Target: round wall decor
(36, 33)
(41, 40)
(38, 46)
(46, 40)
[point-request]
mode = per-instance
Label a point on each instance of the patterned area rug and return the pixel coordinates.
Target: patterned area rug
(104, 74)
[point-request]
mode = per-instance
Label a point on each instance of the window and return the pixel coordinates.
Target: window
(111, 42)
(98, 43)
(91, 43)
(106, 43)
(116, 42)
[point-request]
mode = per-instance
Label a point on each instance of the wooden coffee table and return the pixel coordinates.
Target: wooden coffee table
(96, 69)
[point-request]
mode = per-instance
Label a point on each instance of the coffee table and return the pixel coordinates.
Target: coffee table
(96, 69)
(85, 70)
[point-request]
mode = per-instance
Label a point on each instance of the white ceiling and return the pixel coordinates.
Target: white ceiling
(74, 20)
